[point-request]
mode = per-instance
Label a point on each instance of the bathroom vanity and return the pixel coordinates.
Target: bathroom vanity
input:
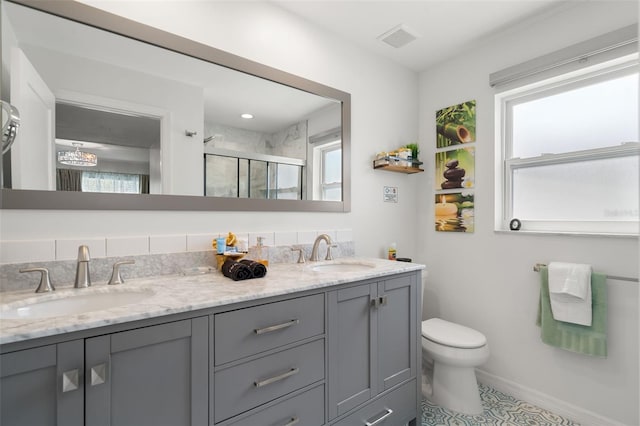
(326, 343)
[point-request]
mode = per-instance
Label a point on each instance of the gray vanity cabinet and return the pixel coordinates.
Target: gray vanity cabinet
(372, 341)
(43, 386)
(152, 376)
(263, 355)
(148, 376)
(396, 331)
(343, 356)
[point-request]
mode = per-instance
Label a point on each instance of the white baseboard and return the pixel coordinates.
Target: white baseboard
(542, 400)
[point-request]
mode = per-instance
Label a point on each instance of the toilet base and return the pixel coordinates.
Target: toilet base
(456, 389)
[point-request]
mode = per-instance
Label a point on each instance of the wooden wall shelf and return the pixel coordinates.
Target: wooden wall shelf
(399, 169)
(392, 164)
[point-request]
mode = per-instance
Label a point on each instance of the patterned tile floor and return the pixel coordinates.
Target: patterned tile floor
(499, 409)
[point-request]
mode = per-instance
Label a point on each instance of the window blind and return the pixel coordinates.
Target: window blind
(609, 46)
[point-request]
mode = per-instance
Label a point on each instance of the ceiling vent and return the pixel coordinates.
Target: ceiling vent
(398, 36)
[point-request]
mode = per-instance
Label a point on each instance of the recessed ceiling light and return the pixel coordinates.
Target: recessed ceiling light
(398, 36)
(247, 116)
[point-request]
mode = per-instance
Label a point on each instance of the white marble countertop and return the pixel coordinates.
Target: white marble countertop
(171, 294)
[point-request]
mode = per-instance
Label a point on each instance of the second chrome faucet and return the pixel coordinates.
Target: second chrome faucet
(314, 251)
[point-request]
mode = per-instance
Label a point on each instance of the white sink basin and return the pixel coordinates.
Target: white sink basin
(73, 304)
(342, 267)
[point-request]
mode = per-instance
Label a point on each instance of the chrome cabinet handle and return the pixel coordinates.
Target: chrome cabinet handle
(277, 378)
(381, 418)
(293, 421)
(70, 380)
(375, 302)
(276, 327)
(98, 374)
(383, 300)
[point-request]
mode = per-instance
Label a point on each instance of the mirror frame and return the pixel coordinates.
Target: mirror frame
(66, 200)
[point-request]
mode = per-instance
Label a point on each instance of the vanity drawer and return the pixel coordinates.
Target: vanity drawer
(397, 407)
(248, 385)
(306, 409)
(249, 331)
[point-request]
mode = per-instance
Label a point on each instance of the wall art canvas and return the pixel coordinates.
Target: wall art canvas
(455, 169)
(456, 125)
(454, 212)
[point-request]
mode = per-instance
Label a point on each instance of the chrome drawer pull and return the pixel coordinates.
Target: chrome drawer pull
(384, 416)
(70, 380)
(293, 421)
(276, 327)
(277, 378)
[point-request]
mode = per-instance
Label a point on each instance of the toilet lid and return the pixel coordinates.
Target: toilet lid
(451, 334)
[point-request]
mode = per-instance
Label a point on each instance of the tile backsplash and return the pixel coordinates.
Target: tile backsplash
(154, 255)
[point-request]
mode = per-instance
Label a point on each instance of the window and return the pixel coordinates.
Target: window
(570, 152)
(331, 171)
(120, 183)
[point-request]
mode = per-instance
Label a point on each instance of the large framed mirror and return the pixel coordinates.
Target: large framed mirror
(116, 115)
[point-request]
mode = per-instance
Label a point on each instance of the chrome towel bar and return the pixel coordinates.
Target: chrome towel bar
(537, 267)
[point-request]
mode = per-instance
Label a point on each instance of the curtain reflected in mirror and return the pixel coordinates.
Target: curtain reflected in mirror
(68, 180)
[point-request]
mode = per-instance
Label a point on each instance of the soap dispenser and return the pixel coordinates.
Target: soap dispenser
(259, 252)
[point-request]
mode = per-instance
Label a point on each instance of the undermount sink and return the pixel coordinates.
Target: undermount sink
(342, 267)
(73, 304)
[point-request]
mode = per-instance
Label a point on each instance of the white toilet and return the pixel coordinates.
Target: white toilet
(455, 351)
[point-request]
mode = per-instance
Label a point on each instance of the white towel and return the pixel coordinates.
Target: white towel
(570, 292)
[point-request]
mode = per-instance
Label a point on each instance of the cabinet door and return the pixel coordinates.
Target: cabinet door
(149, 376)
(351, 340)
(43, 386)
(397, 322)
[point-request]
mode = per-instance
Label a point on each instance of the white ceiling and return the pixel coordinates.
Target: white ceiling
(446, 27)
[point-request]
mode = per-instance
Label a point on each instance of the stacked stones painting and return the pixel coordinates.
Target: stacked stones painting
(455, 167)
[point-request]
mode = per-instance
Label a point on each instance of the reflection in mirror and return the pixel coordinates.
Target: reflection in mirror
(149, 116)
(120, 148)
(10, 124)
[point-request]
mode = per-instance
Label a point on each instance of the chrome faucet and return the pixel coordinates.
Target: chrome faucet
(83, 278)
(314, 252)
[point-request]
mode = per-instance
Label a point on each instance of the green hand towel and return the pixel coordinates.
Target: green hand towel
(575, 337)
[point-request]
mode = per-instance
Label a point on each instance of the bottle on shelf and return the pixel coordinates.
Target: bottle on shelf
(392, 251)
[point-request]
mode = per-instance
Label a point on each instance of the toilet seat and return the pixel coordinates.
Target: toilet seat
(451, 334)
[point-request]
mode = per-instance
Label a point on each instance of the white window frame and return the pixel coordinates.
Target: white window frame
(335, 146)
(319, 153)
(506, 164)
